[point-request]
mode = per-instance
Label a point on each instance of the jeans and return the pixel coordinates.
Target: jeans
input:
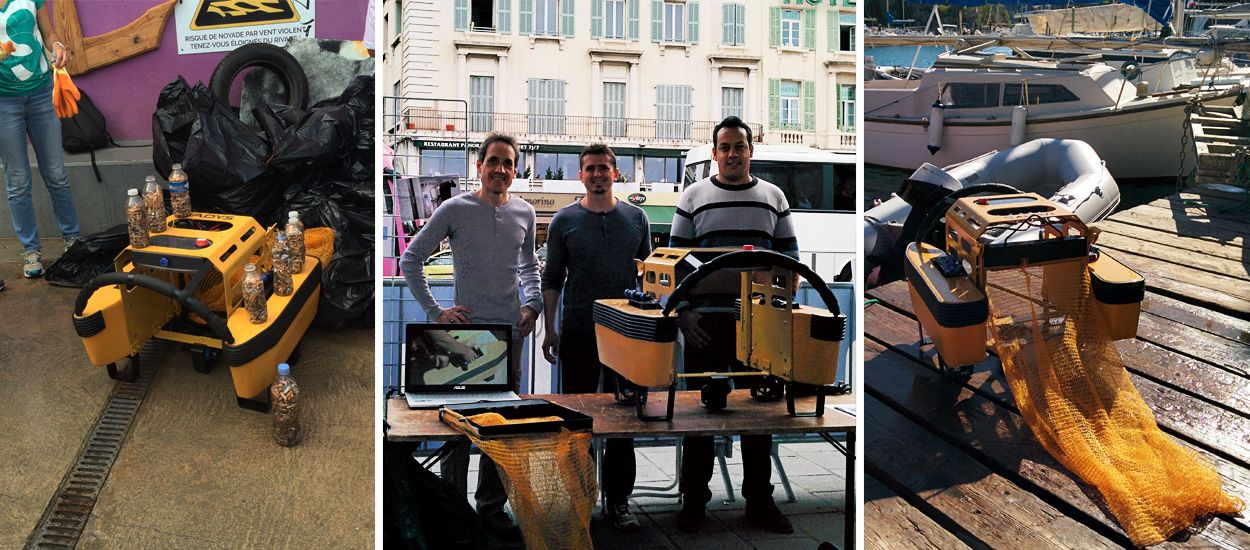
(33, 116)
(580, 371)
(699, 453)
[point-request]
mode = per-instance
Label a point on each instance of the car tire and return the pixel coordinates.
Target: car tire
(266, 56)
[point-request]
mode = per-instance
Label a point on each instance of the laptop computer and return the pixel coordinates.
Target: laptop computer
(447, 364)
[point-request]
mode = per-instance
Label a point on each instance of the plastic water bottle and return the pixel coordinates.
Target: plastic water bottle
(154, 198)
(295, 241)
(284, 396)
(179, 192)
(254, 295)
(136, 219)
(282, 285)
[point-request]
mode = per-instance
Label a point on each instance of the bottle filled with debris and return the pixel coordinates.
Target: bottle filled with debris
(282, 284)
(295, 241)
(179, 192)
(154, 198)
(284, 396)
(254, 295)
(136, 219)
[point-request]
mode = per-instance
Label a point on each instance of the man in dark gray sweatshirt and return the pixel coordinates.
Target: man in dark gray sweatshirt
(591, 247)
(492, 240)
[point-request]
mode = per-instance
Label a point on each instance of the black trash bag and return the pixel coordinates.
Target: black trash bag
(90, 256)
(335, 135)
(224, 158)
(420, 510)
(347, 280)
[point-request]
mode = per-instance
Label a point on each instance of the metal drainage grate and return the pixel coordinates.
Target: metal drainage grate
(69, 509)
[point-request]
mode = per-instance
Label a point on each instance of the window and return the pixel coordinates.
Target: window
(846, 106)
(556, 166)
(971, 96)
(626, 166)
(399, 19)
(789, 104)
(481, 103)
(674, 22)
(673, 109)
(396, 92)
(546, 106)
(436, 162)
(811, 185)
(846, 32)
(731, 102)
(482, 15)
(614, 109)
(733, 21)
(1037, 94)
(791, 22)
(546, 17)
(614, 19)
(661, 169)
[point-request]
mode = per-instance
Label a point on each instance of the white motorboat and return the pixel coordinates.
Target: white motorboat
(1068, 171)
(972, 104)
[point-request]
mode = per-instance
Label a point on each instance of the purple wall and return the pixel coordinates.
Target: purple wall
(126, 92)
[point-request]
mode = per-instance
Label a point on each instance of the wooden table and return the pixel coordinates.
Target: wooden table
(690, 418)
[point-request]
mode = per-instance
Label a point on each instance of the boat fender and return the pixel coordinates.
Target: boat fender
(1018, 115)
(935, 127)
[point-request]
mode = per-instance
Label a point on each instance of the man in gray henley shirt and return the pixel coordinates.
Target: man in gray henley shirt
(492, 241)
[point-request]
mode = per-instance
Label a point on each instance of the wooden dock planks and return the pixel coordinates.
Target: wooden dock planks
(1190, 361)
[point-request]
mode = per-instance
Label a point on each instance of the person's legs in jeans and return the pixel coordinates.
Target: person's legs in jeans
(17, 170)
(45, 135)
(491, 495)
(620, 466)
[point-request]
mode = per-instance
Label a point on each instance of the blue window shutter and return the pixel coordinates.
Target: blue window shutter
(633, 18)
(727, 24)
(740, 24)
(596, 18)
(774, 102)
(503, 19)
(809, 105)
(809, 29)
(774, 27)
(832, 33)
(526, 24)
(692, 20)
(657, 21)
(462, 15)
(566, 18)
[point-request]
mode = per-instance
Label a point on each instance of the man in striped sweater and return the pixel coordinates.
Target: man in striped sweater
(728, 209)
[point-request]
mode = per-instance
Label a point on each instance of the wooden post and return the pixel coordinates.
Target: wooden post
(137, 37)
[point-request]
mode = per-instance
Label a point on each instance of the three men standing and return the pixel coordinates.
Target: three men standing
(591, 248)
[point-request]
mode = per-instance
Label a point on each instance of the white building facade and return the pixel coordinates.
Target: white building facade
(650, 78)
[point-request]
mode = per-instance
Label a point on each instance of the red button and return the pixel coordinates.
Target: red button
(201, 243)
(748, 247)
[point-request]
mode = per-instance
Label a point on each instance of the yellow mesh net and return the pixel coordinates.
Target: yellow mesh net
(1076, 396)
(550, 479)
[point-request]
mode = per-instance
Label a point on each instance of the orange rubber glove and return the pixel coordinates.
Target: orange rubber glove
(7, 48)
(65, 94)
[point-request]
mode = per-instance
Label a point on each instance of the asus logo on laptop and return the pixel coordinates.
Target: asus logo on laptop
(458, 388)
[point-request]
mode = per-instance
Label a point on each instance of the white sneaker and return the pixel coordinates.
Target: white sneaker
(33, 267)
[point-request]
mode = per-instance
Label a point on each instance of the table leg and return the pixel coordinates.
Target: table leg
(848, 541)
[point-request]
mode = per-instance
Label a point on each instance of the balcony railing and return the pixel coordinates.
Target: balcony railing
(558, 125)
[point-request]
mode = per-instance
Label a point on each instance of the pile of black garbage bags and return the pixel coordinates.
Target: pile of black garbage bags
(317, 161)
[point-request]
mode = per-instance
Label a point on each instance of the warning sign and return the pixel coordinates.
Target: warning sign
(216, 14)
(223, 25)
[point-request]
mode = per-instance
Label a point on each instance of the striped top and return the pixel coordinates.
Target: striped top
(712, 214)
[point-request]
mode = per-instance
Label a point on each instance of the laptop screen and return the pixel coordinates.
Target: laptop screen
(457, 357)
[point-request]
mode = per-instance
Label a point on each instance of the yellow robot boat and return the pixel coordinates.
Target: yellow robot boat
(186, 287)
(791, 345)
(986, 233)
